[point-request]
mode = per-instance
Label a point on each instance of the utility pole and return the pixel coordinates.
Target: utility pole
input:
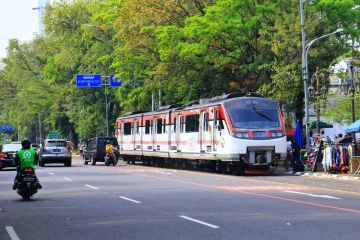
(305, 75)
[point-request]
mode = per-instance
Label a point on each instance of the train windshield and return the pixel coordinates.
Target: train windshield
(253, 113)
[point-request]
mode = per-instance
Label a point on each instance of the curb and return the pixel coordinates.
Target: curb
(326, 175)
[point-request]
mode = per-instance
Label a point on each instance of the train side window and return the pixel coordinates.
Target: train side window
(174, 124)
(136, 127)
(147, 127)
(192, 123)
(127, 128)
(181, 124)
(206, 122)
(159, 126)
(164, 125)
(220, 124)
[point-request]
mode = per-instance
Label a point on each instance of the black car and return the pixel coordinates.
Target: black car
(8, 153)
(95, 149)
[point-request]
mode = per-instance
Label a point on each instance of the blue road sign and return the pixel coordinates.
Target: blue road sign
(88, 80)
(2, 127)
(9, 128)
(115, 82)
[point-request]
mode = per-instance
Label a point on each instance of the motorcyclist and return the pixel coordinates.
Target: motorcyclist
(109, 150)
(26, 158)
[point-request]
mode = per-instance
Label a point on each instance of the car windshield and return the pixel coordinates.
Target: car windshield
(12, 147)
(56, 144)
(253, 113)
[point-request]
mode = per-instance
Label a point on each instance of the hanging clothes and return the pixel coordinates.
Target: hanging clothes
(337, 156)
(327, 159)
(341, 155)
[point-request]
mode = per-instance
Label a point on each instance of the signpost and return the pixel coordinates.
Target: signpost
(115, 82)
(88, 80)
(95, 80)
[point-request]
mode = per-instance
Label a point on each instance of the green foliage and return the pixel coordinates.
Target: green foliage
(187, 49)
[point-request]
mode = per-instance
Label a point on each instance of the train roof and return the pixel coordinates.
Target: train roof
(193, 104)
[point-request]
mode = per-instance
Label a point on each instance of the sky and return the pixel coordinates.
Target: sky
(17, 20)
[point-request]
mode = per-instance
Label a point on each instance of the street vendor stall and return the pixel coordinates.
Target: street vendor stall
(355, 159)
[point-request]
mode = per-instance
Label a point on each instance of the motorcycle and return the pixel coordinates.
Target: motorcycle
(27, 185)
(110, 159)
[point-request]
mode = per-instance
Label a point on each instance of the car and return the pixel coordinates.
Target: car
(95, 149)
(55, 151)
(8, 153)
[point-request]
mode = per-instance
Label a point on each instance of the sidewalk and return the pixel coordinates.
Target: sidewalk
(348, 177)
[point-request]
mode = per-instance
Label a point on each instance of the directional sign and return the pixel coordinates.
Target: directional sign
(88, 80)
(9, 128)
(115, 82)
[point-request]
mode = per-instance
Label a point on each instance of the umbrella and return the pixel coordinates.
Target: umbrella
(298, 137)
(354, 127)
(321, 125)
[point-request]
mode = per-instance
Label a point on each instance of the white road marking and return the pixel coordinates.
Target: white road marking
(12, 233)
(313, 195)
(198, 221)
(51, 173)
(129, 199)
(67, 178)
(91, 186)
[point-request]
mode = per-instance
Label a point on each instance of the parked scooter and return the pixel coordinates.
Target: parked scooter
(27, 185)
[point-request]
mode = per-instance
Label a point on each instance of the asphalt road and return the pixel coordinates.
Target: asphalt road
(136, 202)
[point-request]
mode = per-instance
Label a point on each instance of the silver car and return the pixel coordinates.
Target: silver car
(55, 151)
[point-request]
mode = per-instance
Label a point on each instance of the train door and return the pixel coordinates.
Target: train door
(204, 129)
(153, 133)
(121, 136)
(215, 132)
(201, 132)
(134, 134)
(179, 122)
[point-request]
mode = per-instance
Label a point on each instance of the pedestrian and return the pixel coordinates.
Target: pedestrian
(296, 161)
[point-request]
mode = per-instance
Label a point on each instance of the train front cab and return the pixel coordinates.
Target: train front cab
(256, 132)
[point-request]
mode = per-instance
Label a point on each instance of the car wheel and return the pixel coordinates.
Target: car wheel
(42, 164)
(92, 160)
(86, 162)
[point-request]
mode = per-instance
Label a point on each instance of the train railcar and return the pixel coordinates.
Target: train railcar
(230, 133)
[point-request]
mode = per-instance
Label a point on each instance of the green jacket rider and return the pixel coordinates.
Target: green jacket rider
(26, 158)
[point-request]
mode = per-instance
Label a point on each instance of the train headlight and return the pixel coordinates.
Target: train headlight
(277, 134)
(280, 134)
(239, 135)
(242, 135)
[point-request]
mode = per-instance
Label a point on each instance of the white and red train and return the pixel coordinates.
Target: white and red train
(233, 133)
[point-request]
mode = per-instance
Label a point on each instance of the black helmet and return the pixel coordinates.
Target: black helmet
(26, 144)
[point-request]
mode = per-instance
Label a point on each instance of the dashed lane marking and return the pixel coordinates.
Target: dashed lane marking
(12, 233)
(198, 221)
(129, 199)
(89, 186)
(314, 195)
(50, 173)
(67, 178)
